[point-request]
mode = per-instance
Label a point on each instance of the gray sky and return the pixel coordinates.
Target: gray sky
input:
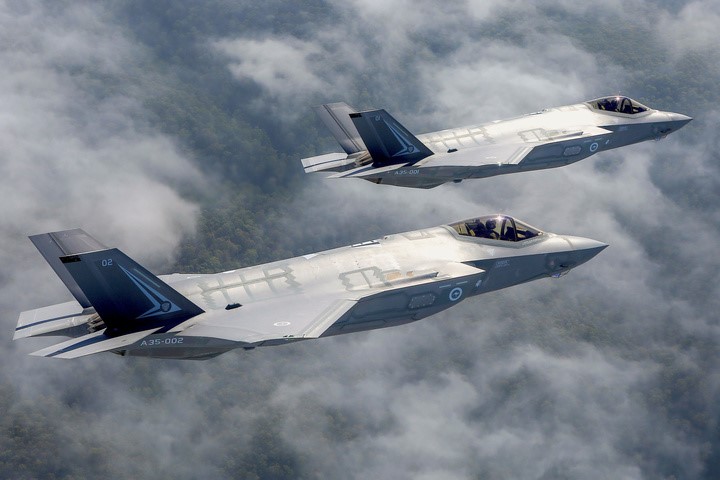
(610, 372)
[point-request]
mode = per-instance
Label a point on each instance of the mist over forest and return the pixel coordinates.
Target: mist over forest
(173, 131)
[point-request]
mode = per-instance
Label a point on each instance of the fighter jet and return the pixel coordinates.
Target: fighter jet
(121, 307)
(379, 149)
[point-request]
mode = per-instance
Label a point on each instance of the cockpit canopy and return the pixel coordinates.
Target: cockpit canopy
(617, 104)
(496, 227)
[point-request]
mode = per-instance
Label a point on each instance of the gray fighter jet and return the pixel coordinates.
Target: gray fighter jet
(121, 307)
(379, 149)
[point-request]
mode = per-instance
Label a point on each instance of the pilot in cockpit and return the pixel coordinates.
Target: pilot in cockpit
(618, 104)
(479, 230)
(490, 227)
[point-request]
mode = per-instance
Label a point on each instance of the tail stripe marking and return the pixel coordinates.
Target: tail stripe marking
(161, 304)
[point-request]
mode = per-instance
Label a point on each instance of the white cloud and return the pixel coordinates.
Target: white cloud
(692, 29)
(76, 159)
(283, 66)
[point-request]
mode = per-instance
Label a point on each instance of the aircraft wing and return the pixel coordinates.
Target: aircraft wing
(306, 315)
(557, 144)
(288, 317)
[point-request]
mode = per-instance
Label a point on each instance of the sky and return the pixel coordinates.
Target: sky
(609, 372)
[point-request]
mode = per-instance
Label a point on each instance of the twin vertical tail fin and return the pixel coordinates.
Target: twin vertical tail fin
(365, 136)
(131, 301)
(54, 246)
(336, 117)
(387, 140)
(127, 297)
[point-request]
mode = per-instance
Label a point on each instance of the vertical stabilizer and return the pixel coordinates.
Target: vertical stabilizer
(387, 140)
(127, 297)
(336, 117)
(54, 245)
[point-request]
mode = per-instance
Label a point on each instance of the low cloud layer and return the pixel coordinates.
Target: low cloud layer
(78, 153)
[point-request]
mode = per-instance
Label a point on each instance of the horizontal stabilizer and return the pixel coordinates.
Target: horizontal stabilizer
(92, 343)
(327, 162)
(364, 171)
(55, 318)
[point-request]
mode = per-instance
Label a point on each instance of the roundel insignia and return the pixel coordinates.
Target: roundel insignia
(594, 147)
(165, 306)
(455, 294)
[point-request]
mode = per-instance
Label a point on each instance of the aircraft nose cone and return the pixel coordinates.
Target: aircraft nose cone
(679, 120)
(585, 248)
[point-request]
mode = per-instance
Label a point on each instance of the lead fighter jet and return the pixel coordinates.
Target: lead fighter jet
(379, 149)
(121, 307)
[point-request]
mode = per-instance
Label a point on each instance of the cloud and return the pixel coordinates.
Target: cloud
(77, 156)
(281, 65)
(692, 29)
(552, 379)
(77, 153)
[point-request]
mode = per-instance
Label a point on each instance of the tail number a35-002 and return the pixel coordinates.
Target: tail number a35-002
(157, 342)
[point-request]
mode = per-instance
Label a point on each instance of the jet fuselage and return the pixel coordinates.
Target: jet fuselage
(399, 278)
(400, 272)
(381, 150)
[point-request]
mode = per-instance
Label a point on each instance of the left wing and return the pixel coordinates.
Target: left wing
(562, 144)
(302, 316)
(283, 318)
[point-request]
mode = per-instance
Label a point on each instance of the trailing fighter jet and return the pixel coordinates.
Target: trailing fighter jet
(379, 149)
(121, 307)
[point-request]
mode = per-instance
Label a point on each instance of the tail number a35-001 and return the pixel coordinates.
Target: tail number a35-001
(408, 171)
